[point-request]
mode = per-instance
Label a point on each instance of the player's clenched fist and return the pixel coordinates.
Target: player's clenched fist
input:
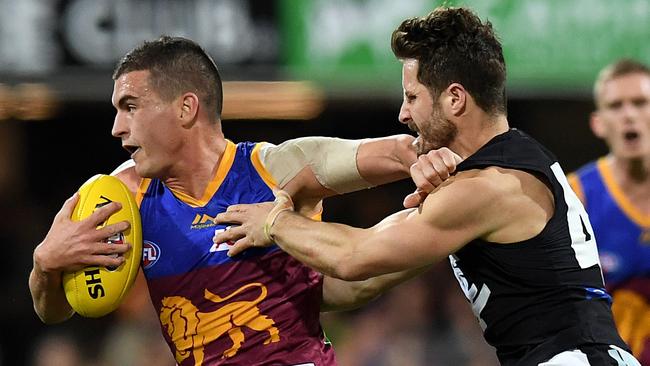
(429, 171)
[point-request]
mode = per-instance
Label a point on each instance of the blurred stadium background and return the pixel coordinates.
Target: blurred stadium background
(292, 68)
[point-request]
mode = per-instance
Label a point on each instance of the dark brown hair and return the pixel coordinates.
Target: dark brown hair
(454, 45)
(176, 65)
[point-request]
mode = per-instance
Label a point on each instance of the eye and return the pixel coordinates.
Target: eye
(130, 107)
(410, 98)
(616, 105)
(640, 102)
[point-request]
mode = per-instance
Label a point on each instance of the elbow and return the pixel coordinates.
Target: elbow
(47, 319)
(353, 262)
(53, 317)
(51, 320)
(348, 269)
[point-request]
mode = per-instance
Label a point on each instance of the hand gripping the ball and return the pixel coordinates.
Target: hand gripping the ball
(71, 245)
(93, 249)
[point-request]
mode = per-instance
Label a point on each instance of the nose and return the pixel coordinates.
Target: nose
(630, 112)
(404, 113)
(120, 128)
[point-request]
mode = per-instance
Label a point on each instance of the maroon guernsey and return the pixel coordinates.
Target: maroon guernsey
(259, 308)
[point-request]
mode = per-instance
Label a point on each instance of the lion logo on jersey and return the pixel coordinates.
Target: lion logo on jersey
(191, 330)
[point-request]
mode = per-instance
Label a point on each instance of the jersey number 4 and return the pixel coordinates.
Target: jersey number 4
(582, 235)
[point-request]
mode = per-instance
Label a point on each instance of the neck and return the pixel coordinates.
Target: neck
(633, 176)
(476, 132)
(631, 171)
(197, 163)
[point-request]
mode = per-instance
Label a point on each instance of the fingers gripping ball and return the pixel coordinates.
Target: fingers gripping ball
(96, 291)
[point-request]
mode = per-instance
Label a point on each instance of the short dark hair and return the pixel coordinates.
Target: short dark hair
(176, 65)
(454, 45)
(616, 69)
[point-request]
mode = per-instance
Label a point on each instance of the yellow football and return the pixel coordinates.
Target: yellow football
(97, 291)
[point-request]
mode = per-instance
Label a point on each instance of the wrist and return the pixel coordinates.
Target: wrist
(271, 233)
(404, 152)
(283, 203)
(40, 263)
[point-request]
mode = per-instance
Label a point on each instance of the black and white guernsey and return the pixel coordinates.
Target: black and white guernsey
(544, 295)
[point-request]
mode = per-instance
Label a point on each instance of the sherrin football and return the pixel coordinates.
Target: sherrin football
(97, 291)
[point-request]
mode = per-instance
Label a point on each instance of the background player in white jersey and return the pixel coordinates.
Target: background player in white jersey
(615, 190)
(518, 239)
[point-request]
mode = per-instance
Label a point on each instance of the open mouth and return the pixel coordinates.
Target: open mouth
(631, 136)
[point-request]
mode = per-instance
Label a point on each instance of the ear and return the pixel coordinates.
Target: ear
(189, 109)
(597, 125)
(456, 99)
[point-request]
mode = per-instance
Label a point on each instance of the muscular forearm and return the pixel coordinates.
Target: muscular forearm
(336, 250)
(351, 253)
(48, 296)
(325, 247)
(384, 160)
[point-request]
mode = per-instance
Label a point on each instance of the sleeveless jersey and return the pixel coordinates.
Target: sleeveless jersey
(544, 295)
(261, 307)
(623, 234)
(623, 231)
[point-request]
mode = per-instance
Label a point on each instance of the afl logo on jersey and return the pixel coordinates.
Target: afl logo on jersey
(150, 254)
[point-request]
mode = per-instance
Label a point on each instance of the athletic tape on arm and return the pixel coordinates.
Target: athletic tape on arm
(333, 161)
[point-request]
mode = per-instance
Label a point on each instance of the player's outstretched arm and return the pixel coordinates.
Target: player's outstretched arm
(312, 168)
(70, 245)
(378, 161)
(408, 239)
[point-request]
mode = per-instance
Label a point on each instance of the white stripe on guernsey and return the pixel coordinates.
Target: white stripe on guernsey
(578, 358)
(621, 356)
(568, 358)
(124, 166)
(585, 250)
